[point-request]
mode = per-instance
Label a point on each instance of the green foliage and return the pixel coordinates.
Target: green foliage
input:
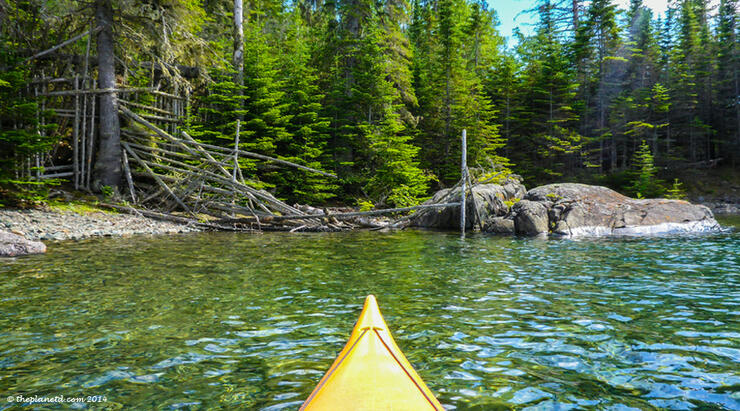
(21, 134)
(365, 205)
(645, 184)
(676, 191)
(107, 192)
(308, 128)
(510, 203)
(380, 92)
(456, 48)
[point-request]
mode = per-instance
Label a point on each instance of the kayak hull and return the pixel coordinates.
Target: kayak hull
(371, 373)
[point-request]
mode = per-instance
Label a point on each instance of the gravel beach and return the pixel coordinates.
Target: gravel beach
(58, 225)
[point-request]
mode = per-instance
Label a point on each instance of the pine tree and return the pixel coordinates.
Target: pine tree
(450, 84)
(21, 134)
(644, 185)
(602, 20)
(547, 145)
(727, 80)
(502, 85)
(308, 129)
(370, 95)
(676, 192)
(684, 96)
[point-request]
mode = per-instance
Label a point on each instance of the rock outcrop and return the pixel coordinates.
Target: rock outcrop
(530, 218)
(488, 201)
(584, 210)
(12, 245)
(500, 225)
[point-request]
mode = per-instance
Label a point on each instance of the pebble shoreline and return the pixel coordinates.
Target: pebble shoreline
(59, 225)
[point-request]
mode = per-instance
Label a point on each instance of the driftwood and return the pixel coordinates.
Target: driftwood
(157, 179)
(241, 188)
(129, 180)
(169, 217)
(339, 216)
(266, 158)
(207, 179)
(145, 107)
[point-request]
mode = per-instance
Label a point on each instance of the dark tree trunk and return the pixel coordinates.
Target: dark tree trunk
(108, 164)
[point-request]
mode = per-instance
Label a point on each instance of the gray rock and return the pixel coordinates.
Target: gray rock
(530, 218)
(12, 245)
(489, 200)
(724, 208)
(579, 209)
(499, 225)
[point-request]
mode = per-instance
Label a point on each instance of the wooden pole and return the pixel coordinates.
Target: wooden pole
(76, 137)
(236, 150)
(130, 180)
(91, 139)
(83, 133)
(464, 169)
(85, 119)
(38, 125)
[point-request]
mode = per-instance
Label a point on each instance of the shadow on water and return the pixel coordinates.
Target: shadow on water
(218, 320)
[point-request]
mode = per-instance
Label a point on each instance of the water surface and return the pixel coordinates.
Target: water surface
(218, 320)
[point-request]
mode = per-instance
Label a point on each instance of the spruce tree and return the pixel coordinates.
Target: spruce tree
(645, 184)
(546, 144)
(727, 80)
(308, 129)
(452, 96)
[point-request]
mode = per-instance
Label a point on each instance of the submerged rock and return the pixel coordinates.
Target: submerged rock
(488, 201)
(584, 210)
(12, 245)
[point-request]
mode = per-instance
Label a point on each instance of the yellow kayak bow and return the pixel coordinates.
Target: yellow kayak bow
(371, 373)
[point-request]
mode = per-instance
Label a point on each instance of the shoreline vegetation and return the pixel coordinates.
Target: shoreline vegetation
(212, 116)
(361, 103)
(77, 216)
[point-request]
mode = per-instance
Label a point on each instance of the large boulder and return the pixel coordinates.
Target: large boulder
(530, 218)
(488, 201)
(12, 245)
(580, 209)
(500, 225)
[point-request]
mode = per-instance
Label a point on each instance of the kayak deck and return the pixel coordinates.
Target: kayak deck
(371, 373)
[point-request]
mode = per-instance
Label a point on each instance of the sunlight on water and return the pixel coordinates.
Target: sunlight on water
(253, 321)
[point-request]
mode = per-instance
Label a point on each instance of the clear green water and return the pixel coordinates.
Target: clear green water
(227, 321)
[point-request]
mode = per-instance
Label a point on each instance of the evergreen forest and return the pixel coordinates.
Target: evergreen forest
(379, 91)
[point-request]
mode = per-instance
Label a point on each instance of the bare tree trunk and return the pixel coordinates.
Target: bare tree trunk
(108, 164)
(239, 43)
(574, 11)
